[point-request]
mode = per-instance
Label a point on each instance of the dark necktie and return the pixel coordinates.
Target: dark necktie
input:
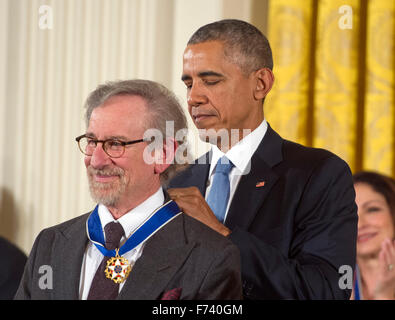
(103, 288)
(220, 189)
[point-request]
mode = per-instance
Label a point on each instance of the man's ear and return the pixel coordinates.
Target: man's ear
(264, 79)
(166, 156)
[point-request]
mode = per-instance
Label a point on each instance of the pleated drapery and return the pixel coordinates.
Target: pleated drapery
(335, 78)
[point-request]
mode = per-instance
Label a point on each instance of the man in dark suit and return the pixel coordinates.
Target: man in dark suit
(11, 268)
(290, 209)
(136, 244)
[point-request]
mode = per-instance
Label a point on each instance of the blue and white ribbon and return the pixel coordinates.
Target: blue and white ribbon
(159, 218)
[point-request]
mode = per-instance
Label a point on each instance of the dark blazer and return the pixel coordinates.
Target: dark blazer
(295, 230)
(13, 262)
(183, 260)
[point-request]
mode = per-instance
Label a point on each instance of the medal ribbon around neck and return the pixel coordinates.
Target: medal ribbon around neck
(118, 268)
(148, 228)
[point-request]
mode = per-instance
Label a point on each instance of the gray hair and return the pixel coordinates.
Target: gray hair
(244, 44)
(162, 104)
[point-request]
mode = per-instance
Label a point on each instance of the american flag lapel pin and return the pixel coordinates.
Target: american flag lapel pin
(260, 184)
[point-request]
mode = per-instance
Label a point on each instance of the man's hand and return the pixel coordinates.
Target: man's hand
(191, 202)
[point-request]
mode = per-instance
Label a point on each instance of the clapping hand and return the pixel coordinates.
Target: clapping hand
(385, 284)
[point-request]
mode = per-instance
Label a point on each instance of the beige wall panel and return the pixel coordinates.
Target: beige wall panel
(46, 74)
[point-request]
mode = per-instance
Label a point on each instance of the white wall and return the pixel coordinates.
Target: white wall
(188, 17)
(45, 75)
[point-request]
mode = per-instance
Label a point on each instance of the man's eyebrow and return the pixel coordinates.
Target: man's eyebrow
(91, 135)
(209, 74)
(185, 77)
(202, 74)
(118, 138)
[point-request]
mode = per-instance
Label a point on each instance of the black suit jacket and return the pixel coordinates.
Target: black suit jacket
(13, 262)
(296, 230)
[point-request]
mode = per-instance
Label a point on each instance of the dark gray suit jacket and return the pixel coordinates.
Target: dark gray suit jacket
(184, 255)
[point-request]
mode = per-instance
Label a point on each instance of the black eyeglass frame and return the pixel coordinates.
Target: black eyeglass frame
(123, 143)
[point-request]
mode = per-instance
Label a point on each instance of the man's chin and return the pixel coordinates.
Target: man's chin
(107, 193)
(104, 194)
(106, 200)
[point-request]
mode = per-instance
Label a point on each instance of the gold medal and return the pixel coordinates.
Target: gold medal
(118, 268)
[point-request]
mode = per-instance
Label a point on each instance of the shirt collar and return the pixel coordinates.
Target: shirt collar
(135, 217)
(241, 153)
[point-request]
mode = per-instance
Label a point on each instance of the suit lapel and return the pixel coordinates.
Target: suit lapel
(162, 256)
(200, 172)
(71, 251)
(248, 197)
(196, 175)
(254, 187)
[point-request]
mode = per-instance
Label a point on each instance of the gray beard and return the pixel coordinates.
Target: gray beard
(107, 194)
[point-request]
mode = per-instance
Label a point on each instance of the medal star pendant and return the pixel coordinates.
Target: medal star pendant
(118, 268)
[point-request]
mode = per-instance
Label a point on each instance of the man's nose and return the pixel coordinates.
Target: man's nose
(99, 157)
(196, 95)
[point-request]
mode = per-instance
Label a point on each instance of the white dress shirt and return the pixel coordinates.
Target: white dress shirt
(240, 155)
(130, 222)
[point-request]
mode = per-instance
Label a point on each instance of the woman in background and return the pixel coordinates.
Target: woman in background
(375, 271)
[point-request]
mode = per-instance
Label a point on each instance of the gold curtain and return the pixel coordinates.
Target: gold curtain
(334, 67)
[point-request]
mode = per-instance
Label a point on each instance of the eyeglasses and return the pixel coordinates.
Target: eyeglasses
(112, 147)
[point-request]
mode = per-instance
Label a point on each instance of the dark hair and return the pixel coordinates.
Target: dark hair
(380, 183)
(244, 44)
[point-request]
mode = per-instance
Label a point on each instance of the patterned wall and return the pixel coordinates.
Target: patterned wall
(335, 77)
